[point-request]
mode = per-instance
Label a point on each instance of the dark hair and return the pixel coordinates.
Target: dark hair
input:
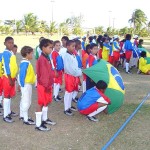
(101, 85)
(143, 54)
(41, 38)
(45, 43)
(99, 39)
(55, 42)
(26, 50)
(15, 46)
(90, 39)
(69, 42)
(87, 47)
(65, 38)
(128, 36)
(77, 42)
(141, 41)
(93, 45)
(8, 38)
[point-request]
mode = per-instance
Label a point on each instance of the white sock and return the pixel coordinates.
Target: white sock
(9, 106)
(84, 86)
(74, 95)
(127, 67)
(6, 107)
(97, 111)
(57, 89)
(38, 118)
(67, 101)
(21, 112)
(44, 113)
(54, 93)
(25, 116)
(1, 98)
(70, 99)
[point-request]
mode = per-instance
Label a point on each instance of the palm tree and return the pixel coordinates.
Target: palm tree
(138, 18)
(43, 27)
(30, 23)
(52, 28)
(99, 30)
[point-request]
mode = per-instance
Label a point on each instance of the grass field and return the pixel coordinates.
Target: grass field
(77, 133)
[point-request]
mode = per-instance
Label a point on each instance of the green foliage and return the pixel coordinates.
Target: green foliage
(99, 30)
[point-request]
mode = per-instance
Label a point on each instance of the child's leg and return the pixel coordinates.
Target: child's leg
(55, 95)
(74, 94)
(84, 86)
(66, 100)
(44, 113)
(6, 107)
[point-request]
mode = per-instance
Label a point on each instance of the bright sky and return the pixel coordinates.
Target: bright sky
(95, 12)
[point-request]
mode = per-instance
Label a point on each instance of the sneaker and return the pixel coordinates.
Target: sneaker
(128, 72)
(1, 114)
(50, 122)
(75, 100)
(13, 114)
(57, 99)
(60, 90)
(29, 122)
(42, 128)
(73, 108)
(92, 119)
(1, 107)
(8, 119)
(68, 112)
(60, 97)
(138, 72)
(21, 118)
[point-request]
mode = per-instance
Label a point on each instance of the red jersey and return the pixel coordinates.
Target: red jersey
(44, 71)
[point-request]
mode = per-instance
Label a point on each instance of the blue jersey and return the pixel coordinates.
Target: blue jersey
(128, 45)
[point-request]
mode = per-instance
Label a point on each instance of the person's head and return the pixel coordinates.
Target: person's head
(95, 37)
(27, 52)
(84, 38)
(46, 46)
(9, 43)
(136, 37)
(70, 46)
(57, 45)
(40, 39)
(105, 35)
(64, 40)
(90, 39)
(101, 85)
(14, 50)
(88, 49)
(99, 39)
(141, 41)
(78, 45)
(116, 38)
(143, 54)
(94, 48)
(106, 40)
(128, 37)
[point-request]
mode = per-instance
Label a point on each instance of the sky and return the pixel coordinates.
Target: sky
(94, 12)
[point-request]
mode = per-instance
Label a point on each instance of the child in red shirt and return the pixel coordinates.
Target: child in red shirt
(44, 85)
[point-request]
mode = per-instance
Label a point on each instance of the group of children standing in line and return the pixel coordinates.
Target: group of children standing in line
(55, 61)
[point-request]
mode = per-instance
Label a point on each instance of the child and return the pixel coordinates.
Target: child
(84, 61)
(58, 69)
(72, 73)
(9, 77)
(26, 79)
(1, 87)
(143, 66)
(94, 101)
(116, 51)
(128, 51)
(92, 60)
(44, 86)
(83, 43)
(63, 49)
(14, 50)
(122, 53)
(106, 49)
(141, 41)
(38, 51)
(78, 57)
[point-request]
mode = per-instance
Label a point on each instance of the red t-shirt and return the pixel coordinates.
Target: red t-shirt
(44, 72)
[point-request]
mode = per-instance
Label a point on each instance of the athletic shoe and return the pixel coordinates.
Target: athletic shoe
(1, 114)
(73, 108)
(57, 99)
(128, 72)
(29, 122)
(60, 97)
(1, 107)
(13, 114)
(68, 112)
(8, 119)
(50, 122)
(92, 118)
(21, 118)
(138, 72)
(75, 100)
(42, 128)
(60, 90)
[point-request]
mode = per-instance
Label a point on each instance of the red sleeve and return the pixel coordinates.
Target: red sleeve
(91, 60)
(43, 71)
(54, 56)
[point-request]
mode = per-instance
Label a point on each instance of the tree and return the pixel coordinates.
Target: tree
(30, 23)
(43, 27)
(52, 28)
(99, 30)
(138, 18)
(123, 31)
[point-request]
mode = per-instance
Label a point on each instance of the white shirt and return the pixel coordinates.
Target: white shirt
(62, 52)
(71, 65)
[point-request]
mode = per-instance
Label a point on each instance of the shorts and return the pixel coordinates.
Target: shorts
(9, 91)
(71, 83)
(1, 86)
(58, 80)
(128, 55)
(116, 56)
(44, 98)
(111, 59)
(90, 109)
